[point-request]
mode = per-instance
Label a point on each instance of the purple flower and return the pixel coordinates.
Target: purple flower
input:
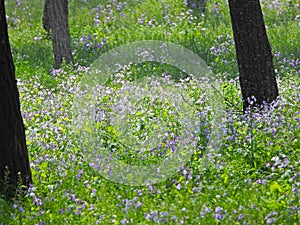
(124, 221)
(139, 192)
(72, 197)
(218, 209)
(218, 216)
(80, 172)
(216, 8)
(277, 55)
(270, 218)
(240, 217)
(138, 204)
(19, 3)
(94, 191)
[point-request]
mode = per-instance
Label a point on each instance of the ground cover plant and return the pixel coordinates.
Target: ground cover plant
(253, 177)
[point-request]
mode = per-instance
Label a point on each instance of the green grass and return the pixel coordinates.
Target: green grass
(251, 178)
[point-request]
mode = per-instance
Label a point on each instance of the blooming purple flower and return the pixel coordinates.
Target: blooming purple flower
(80, 172)
(277, 55)
(218, 209)
(124, 221)
(240, 217)
(138, 204)
(218, 216)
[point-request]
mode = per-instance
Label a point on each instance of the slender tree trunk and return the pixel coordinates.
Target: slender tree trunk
(55, 18)
(14, 163)
(254, 54)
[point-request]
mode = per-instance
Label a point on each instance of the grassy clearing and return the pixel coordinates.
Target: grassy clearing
(252, 178)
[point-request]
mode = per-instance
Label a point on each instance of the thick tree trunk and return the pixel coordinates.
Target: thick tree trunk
(254, 54)
(13, 150)
(55, 18)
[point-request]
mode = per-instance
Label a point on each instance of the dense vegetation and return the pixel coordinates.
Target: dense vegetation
(252, 178)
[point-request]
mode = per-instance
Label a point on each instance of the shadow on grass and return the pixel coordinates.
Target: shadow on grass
(36, 55)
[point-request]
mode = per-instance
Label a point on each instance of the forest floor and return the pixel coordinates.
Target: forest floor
(195, 158)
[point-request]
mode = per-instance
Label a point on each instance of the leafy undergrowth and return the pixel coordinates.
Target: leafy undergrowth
(244, 172)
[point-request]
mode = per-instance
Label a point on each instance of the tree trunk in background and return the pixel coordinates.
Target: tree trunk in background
(13, 150)
(55, 18)
(254, 54)
(46, 16)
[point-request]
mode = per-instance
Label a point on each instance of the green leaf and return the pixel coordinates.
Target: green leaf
(224, 177)
(275, 187)
(110, 129)
(87, 129)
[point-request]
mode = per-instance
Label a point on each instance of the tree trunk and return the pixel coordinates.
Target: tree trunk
(254, 54)
(46, 17)
(13, 150)
(55, 18)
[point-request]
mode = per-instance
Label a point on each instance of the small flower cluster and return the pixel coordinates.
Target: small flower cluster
(108, 13)
(91, 42)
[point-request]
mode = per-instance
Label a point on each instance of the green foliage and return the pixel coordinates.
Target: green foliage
(252, 179)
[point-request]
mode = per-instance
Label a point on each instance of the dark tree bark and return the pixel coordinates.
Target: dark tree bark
(55, 18)
(13, 150)
(254, 54)
(46, 17)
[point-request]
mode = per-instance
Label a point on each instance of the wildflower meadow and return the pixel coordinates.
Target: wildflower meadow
(177, 147)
